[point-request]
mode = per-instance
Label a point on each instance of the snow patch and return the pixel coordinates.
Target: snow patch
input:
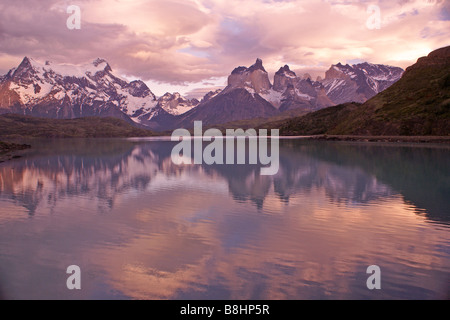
(272, 96)
(334, 84)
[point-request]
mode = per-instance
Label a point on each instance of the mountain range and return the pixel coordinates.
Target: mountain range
(416, 105)
(58, 91)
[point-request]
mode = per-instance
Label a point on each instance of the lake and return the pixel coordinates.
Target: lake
(140, 227)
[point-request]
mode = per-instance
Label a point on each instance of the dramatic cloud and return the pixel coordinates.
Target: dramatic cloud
(182, 43)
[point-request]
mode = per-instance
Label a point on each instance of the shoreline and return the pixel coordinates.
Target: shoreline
(391, 139)
(9, 151)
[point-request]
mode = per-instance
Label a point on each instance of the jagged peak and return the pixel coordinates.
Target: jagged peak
(97, 62)
(239, 70)
(287, 72)
(33, 63)
(342, 67)
(283, 70)
(258, 65)
(24, 68)
(172, 95)
(26, 62)
(138, 83)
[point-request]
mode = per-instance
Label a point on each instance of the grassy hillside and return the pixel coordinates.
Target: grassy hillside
(260, 123)
(16, 126)
(418, 104)
(316, 123)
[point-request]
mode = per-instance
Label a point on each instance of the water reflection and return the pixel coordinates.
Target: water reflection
(347, 173)
(144, 228)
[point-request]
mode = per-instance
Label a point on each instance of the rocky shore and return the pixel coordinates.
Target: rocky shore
(10, 151)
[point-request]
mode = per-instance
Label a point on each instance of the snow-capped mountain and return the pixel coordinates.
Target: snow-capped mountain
(67, 91)
(287, 92)
(292, 92)
(211, 95)
(175, 104)
(360, 82)
(241, 99)
(254, 79)
(250, 94)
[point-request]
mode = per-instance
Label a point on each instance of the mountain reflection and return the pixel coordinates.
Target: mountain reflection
(141, 227)
(102, 170)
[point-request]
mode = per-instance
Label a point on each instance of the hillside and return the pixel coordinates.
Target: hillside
(16, 126)
(417, 105)
(318, 122)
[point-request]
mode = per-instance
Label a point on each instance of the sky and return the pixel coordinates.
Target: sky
(191, 46)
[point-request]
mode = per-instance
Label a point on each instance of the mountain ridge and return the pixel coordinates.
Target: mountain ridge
(417, 105)
(62, 91)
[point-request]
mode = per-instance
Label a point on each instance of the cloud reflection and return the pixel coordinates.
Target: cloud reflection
(143, 228)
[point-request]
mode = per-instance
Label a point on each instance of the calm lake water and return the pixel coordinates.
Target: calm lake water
(141, 227)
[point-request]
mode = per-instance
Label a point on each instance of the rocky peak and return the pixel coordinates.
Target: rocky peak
(63, 88)
(211, 95)
(337, 71)
(359, 82)
(97, 62)
(172, 96)
(254, 79)
(283, 78)
(24, 71)
(283, 69)
(286, 71)
(175, 104)
(257, 66)
(139, 89)
(26, 62)
(101, 66)
(239, 70)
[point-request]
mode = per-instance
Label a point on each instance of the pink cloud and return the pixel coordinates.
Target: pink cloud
(179, 42)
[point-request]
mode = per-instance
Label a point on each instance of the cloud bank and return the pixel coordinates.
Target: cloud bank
(185, 43)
